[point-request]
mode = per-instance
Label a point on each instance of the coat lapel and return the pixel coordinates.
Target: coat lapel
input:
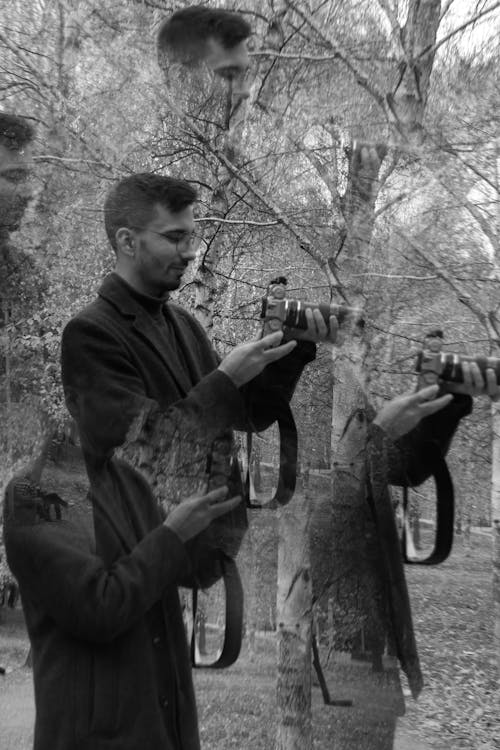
(189, 346)
(166, 350)
(116, 291)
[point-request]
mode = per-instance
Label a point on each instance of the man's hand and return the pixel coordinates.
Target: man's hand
(474, 383)
(197, 512)
(249, 359)
(317, 330)
(403, 413)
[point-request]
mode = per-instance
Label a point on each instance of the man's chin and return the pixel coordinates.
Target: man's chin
(174, 279)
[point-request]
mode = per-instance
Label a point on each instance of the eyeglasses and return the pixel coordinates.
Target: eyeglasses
(177, 238)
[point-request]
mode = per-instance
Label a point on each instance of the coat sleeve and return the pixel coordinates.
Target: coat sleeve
(405, 459)
(264, 395)
(56, 570)
(106, 396)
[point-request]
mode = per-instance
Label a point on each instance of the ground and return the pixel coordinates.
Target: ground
(459, 708)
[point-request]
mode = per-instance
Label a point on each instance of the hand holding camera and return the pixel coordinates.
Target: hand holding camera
(247, 360)
(305, 321)
(318, 329)
(403, 413)
(457, 373)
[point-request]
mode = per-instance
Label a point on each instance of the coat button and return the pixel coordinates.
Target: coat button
(164, 702)
(156, 640)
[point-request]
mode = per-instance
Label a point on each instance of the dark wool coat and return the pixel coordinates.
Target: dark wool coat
(98, 630)
(121, 357)
(356, 554)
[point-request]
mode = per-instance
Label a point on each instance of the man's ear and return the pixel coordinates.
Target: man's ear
(125, 242)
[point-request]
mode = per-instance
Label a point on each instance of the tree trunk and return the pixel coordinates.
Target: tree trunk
(415, 524)
(251, 592)
(8, 406)
(294, 617)
(201, 622)
(495, 503)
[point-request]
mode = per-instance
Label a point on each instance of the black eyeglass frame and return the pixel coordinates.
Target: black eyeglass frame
(191, 236)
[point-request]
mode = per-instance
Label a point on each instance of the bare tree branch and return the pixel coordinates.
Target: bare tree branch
(392, 202)
(446, 7)
(218, 220)
(432, 48)
(360, 75)
(314, 58)
(266, 200)
(461, 292)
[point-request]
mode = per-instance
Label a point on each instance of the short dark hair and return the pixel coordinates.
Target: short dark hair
(184, 35)
(131, 202)
(15, 131)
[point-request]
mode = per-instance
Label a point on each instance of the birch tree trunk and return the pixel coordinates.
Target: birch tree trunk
(294, 627)
(346, 559)
(495, 508)
(8, 405)
(495, 457)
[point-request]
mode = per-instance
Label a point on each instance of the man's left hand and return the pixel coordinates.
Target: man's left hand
(475, 384)
(317, 330)
(402, 413)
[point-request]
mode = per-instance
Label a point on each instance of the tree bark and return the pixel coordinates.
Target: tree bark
(495, 503)
(294, 629)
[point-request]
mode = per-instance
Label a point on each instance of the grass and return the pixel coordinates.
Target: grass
(458, 709)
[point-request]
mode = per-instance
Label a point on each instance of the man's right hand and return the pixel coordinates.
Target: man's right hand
(247, 360)
(197, 512)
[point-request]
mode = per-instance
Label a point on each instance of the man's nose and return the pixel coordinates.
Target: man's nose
(188, 253)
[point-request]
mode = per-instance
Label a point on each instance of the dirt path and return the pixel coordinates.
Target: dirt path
(17, 710)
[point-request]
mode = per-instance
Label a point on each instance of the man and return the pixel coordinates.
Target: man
(214, 37)
(93, 651)
(140, 375)
(393, 446)
(19, 277)
(16, 135)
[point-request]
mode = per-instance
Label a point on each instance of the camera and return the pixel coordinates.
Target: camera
(278, 310)
(434, 365)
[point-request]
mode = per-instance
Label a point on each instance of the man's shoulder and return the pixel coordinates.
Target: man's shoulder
(98, 313)
(89, 311)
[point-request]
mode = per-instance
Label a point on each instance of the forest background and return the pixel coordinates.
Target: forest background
(342, 122)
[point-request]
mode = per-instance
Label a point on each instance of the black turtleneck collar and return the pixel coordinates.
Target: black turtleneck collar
(152, 305)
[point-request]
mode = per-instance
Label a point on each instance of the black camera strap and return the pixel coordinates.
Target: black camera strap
(233, 631)
(445, 502)
(287, 479)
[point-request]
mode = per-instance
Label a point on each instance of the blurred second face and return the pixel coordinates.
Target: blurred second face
(232, 65)
(15, 188)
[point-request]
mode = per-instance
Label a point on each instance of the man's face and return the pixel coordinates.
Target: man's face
(15, 190)
(163, 249)
(232, 65)
(215, 88)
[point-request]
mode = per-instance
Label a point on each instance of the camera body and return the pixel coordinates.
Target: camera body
(433, 365)
(278, 310)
